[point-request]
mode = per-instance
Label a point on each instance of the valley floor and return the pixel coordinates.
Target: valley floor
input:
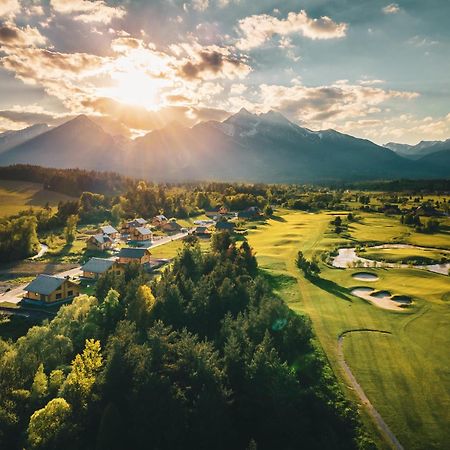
(404, 370)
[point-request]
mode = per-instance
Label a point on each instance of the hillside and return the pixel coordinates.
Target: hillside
(419, 150)
(265, 147)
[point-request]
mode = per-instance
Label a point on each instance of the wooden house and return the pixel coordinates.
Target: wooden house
(99, 242)
(142, 234)
(98, 266)
(109, 231)
(171, 227)
(224, 225)
(131, 225)
(159, 221)
(251, 213)
(201, 231)
(48, 289)
(129, 255)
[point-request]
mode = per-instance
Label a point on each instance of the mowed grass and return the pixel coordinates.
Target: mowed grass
(17, 196)
(405, 255)
(405, 374)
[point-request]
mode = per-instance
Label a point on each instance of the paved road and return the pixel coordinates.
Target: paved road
(42, 251)
(376, 417)
(15, 295)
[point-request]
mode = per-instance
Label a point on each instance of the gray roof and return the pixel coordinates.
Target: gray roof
(108, 229)
(98, 265)
(132, 252)
(161, 217)
(143, 230)
(45, 284)
(224, 225)
(101, 238)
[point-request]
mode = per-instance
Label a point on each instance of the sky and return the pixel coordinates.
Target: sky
(369, 68)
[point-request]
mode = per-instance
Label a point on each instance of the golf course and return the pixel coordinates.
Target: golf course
(396, 355)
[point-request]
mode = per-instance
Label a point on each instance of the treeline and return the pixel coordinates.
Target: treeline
(204, 358)
(405, 186)
(71, 182)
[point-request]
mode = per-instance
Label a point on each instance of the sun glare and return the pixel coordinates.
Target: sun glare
(135, 89)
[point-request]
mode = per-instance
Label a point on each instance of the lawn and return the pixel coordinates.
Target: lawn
(404, 373)
(405, 255)
(17, 196)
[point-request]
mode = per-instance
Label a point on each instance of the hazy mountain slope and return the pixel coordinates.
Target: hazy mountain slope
(437, 163)
(10, 139)
(76, 143)
(419, 150)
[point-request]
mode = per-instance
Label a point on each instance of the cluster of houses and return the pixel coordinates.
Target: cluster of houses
(51, 289)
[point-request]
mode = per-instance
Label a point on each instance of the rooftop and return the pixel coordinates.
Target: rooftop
(132, 252)
(45, 284)
(98, 265)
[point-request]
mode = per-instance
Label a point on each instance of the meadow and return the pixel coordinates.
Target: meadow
(16, 196)
(403, 372)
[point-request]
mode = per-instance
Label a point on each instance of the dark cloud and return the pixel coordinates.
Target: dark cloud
(213, 62)
(26, 116)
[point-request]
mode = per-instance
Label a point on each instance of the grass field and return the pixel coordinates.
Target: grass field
(17, 196)
(405, 374)
(405, 255)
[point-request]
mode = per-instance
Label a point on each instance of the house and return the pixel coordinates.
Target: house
(129, 226)
(98, 266)
(201, 231)
(109, 230)
(225, 226)
(159, 220)
(142, 234)
(99, 242)
(48, 289)
(132, 255)
(171, 227)
(251, 213)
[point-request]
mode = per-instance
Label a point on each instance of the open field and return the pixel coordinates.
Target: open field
(405, 255)
(405, 373)
(17, 196)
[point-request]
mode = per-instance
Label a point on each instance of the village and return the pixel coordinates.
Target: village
(131, 243)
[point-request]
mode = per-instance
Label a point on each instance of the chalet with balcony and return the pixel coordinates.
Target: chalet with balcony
(129, 255)
(49, 289)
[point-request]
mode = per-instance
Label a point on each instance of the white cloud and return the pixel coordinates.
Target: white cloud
(392, 8)
(200, 5)
(256, 30)
(9, 8)
(88, 11)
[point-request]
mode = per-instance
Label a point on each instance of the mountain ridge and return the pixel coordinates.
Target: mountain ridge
(245, 146)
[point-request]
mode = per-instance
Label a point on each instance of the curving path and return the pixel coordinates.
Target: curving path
(374, 414)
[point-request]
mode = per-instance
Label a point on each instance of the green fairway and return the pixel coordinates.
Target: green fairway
(405, 373)
(405, 255)
(17, 196)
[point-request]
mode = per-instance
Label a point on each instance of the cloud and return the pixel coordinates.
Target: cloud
(9, 8)
(13, 36)
(257, 29)
(200, 5)
(213, 62)
(316, 106)
(88, 11)
(392, 8)
(28, 114)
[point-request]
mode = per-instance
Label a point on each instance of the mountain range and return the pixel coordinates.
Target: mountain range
(419, 150)
(253, 147)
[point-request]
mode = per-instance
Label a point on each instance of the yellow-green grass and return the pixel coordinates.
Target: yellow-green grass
(17, 196)
(392, 369)
(171, 249)
(376, 227)
(405, 255)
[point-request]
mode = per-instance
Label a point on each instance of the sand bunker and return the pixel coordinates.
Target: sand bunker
(382, 299)
(365, 276)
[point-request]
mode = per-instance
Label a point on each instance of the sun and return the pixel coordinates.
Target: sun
(135, 88)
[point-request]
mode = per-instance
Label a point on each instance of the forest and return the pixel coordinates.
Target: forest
(204, 357)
